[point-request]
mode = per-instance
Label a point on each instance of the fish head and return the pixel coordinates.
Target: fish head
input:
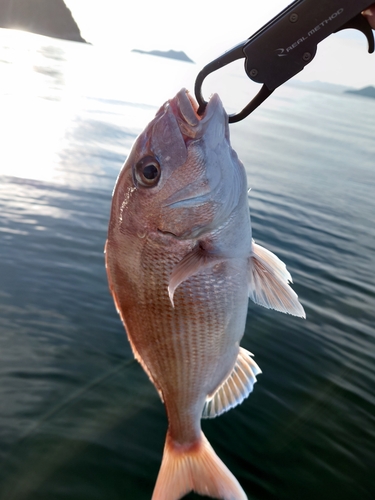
(182, 178)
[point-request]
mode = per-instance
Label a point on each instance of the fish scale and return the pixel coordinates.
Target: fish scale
(189, 337)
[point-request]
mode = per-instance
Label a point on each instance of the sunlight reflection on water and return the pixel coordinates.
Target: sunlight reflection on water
(48, 97)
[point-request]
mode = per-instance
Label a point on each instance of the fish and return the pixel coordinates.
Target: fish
(181, 265)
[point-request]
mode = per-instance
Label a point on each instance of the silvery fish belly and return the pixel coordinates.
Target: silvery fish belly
(181, 264)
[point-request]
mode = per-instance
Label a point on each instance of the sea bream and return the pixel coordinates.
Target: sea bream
(181, 264)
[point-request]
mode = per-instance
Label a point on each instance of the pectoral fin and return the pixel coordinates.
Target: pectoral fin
(191, 264)
(235, 388)
(269, 283)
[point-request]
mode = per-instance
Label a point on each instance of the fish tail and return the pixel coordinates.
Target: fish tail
(195, 467)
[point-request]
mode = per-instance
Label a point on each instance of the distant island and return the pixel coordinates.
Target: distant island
(366, 92)
(44, 17)
(171, 54)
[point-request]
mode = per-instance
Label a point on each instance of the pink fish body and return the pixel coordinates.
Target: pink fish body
(181, 264)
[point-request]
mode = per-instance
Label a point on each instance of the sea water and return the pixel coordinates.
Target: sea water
(79, 419)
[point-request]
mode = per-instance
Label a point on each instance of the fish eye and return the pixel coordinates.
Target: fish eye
(147, 171)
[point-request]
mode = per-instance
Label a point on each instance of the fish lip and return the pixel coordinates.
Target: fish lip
(184, 106)
(213, 106)
(185, 109)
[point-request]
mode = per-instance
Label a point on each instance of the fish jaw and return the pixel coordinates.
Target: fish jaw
(218, 186)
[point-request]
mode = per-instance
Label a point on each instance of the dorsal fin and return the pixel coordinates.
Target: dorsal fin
(235, 388)
(269, 283)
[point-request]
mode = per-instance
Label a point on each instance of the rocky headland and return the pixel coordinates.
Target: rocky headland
(45, 17)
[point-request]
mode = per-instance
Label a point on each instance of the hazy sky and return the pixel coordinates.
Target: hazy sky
(206, 28)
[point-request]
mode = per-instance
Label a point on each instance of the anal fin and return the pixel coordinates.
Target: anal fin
(235, 388)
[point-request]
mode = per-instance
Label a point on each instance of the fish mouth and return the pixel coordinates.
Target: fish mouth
(193, 127)
(185, 109)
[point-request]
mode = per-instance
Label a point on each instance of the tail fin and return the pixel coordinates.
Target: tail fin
(196, 468)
